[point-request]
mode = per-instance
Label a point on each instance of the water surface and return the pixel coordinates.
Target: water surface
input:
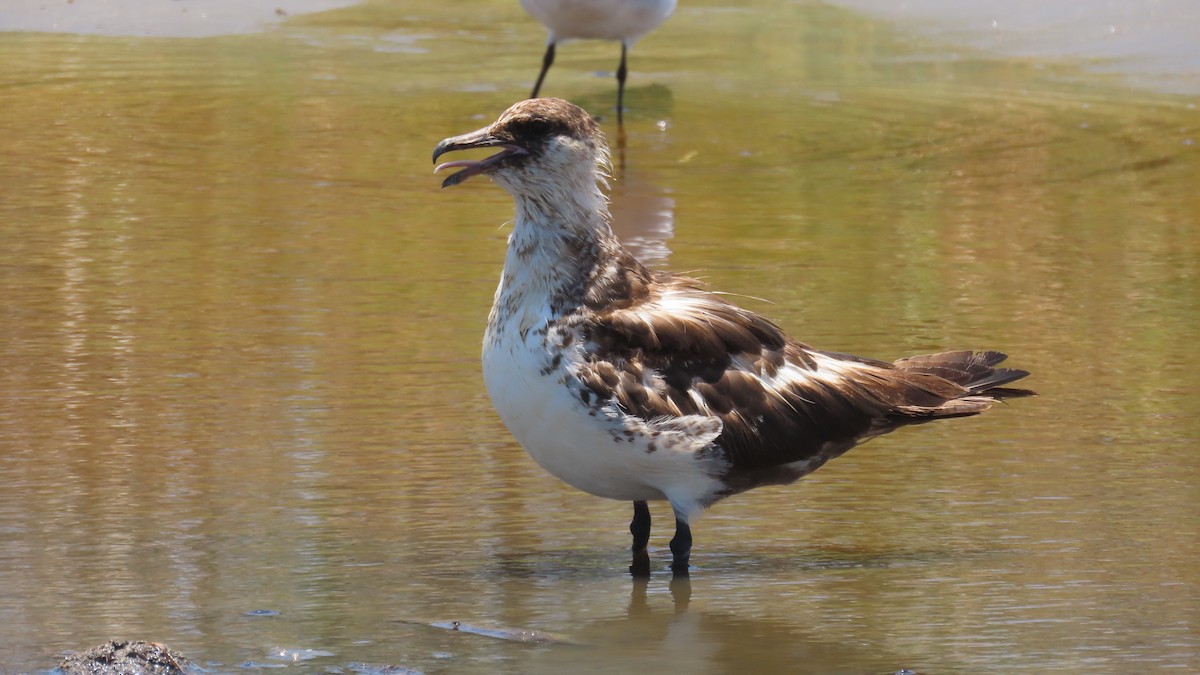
(240, 403)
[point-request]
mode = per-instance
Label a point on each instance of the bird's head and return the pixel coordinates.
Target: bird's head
(544, 144)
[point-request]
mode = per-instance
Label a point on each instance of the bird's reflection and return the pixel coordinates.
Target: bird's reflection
(702, 628)
(643, 212)
(681, 595)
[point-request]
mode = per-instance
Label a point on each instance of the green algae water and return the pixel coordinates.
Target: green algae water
(241, 410)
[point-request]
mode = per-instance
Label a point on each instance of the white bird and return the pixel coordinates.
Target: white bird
(621, 20)
(640, 385)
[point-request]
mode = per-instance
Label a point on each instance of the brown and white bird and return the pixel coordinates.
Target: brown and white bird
(621, 20)
(641, 385)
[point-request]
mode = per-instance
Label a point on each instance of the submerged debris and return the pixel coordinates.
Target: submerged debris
(524, 635)
(128, 658)
(368, 669)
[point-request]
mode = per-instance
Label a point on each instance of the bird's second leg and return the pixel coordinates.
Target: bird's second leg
(681, 546)
(640, 529)
(547, 61)
(622, 72)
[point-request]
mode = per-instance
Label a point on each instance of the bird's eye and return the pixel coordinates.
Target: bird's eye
(538, 127)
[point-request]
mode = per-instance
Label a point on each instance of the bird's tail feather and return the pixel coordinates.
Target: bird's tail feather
(979, 383)
(974, 371)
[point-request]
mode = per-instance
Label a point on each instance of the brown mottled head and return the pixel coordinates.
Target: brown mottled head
(538, 139)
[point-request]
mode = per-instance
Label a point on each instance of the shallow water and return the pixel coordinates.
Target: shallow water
(241, 410)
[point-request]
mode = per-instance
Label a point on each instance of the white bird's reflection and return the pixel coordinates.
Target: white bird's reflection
(643, 216)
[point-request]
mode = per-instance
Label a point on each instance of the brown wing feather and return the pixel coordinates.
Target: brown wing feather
(709, 357)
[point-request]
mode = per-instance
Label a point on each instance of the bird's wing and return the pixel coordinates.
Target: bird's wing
(681, 351)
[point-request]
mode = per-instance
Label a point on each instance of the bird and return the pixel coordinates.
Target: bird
(622, 20)
(642, 385)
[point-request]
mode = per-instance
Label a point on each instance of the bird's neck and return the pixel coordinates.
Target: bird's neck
(557, 248)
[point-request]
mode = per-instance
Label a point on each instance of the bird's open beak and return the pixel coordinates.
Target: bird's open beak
(475, 139)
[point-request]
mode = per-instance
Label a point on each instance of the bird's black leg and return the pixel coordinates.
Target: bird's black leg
(622, 71)
(640, 526)
(621, 153)
(681, 546)
(640, 529)
(547, 61)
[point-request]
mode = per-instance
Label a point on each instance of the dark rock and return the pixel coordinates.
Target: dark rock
(128, 658)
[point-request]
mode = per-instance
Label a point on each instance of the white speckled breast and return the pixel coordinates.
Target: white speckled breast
(595, 448)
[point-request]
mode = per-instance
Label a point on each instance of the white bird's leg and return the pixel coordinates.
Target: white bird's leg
(681, 545)
(622, 71)
(640, 529)
(547, 61)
